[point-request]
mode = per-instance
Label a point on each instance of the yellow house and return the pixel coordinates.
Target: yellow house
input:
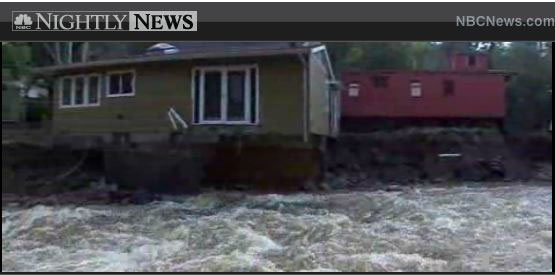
(253, 88)
(279, 94)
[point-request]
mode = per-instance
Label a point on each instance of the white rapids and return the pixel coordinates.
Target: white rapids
(435, 230)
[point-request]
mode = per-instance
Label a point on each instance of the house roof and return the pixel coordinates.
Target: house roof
(238, 46)
(472, 53)
(390, 72)
(189, 51)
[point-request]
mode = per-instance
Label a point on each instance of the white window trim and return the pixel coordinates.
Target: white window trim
(86, 91)
(224, 70)
(133, 78)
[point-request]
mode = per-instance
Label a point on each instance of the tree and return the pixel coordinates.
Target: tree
(16, 60)
(529, 104)
(57, 53)
(370, 56)
(419, 54)
(16, 64)
(67, 52)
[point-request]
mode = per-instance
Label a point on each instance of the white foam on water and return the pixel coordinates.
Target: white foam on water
(236, 261)
(42, 216)
(446, 223)
(258, 243)
(546, 236)
(320, 270)
(6, 226)
(434, 230)
(394, 262)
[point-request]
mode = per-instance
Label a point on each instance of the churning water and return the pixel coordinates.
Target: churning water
(456, 229)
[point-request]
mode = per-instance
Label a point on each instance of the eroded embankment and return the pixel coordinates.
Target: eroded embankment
(437, 155)
(411, 156)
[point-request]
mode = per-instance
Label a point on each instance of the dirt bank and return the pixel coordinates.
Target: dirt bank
(34, 170)
(437, 155)
(381, 160)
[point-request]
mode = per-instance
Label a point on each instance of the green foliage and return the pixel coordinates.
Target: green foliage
(16, 63)
(530, 106)
(401, 55)
(370, 56)
(6, 74)
(12, 106)
(16, 60)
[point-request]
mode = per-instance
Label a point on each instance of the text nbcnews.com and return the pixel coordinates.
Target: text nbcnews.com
(494, 21)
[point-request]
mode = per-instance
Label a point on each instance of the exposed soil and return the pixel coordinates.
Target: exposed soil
(387, 161)
(437, 155)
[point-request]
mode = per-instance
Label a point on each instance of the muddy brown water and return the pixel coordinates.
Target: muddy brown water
(424, 229)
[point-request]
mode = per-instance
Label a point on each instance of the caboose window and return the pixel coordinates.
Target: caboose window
(472, 61)
(354, 90)
(449, 88)
(381, 81)
(416, 88)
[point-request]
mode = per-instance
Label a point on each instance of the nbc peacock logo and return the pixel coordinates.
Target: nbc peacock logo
(22, 22)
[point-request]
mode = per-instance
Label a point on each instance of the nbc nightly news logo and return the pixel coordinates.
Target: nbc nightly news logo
(104, 21)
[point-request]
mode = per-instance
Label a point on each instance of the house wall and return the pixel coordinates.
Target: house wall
(477, 95)
(319, 98)
(160, 86)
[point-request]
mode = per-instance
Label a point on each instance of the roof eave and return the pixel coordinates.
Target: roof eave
(60, 69)
(396, 71)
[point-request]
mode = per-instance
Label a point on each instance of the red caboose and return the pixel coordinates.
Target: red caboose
(467, 94)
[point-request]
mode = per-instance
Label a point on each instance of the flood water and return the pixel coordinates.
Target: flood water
(455, 229)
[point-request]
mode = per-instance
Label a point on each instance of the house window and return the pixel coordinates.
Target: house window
(381, 82)
(67, 86)
(120, 84)
(416, 88)
(449, 88)
(226, 95)
(80, 91)
(472, 60)
(354, 90)
(236, 85)
(212, 94)
(94, 85)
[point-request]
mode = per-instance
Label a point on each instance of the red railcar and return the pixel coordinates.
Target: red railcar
(467, 93)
